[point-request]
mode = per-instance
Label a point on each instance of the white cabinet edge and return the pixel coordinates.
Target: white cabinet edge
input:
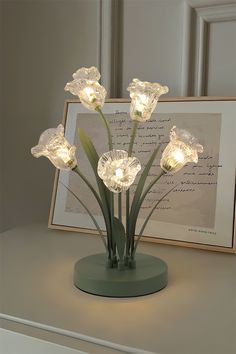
(16, 343)
(75, 335)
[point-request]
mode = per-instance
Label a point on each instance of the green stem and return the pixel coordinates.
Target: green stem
(98, 109)
(104, 212)
(140, 186)
(142, 181)
(120, 207)
(148, 217)
(129, 235)
(89, 213)
(113, 244)
(76, 170)
(127, 224)
(133, 135)
(154, 181)
(138, 206)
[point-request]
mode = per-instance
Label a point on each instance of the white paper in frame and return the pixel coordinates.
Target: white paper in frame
(200, 211)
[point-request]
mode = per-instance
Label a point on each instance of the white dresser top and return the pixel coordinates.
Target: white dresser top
(195, 314)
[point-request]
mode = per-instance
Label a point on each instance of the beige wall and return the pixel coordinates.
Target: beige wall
(152, 43)
(44, 41)
(222, 55)
(1, 128)
(188, 45)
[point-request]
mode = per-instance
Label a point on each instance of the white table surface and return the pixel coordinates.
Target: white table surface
(15, 343)
(195, 314)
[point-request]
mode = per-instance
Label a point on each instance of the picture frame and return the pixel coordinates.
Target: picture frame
(212, 117)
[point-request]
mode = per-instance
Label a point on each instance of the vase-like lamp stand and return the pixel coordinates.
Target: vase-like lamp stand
(92, 276)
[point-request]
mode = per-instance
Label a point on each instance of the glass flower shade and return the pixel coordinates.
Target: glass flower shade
(144, 97)
(86, 86)
(53, 145)
(182, 148)
(117, 170)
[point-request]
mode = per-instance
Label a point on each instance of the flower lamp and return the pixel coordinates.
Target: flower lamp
(120, 271)
(144, 98)
(117, 170)
(183, 148)
(86, 86)
(53, 145)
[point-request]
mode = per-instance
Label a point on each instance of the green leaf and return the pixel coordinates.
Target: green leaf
(89, 149)
(143, 178)
(109, 135)
(93, 158)
(89, 213)
(149, 216)
(119, 237)
(139, 189)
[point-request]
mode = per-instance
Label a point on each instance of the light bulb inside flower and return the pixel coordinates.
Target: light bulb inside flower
(119, 172)
(53, 145)
(141, 102)
(86, 86)
(144, 97)
(178, 156)
(90, 93)
(65, 155)
(174, 161)
(182, 148)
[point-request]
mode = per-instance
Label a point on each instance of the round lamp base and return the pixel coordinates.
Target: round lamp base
(92, 276)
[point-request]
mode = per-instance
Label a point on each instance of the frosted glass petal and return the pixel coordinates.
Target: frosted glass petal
(92, 95)
(182, 148)
(144, 97)
(86, 86)
(53, 145)
(117, 170)
(87, 74)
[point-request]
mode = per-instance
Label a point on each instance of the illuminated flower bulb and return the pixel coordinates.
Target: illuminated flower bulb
(86, 86)
(53, 145)
(144, 97)
(117, 170)
(182, 148)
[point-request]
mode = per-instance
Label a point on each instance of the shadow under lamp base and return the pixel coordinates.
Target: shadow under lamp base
(92, 276)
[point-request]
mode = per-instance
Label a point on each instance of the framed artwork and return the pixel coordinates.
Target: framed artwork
(200, 210)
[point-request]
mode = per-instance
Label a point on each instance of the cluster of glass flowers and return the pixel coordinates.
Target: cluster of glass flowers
(182, 148)
(117, 170)
(145, 96)
(53, 145)
(86, 86)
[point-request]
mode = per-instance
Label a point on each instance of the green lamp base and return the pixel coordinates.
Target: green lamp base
(92, 276)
